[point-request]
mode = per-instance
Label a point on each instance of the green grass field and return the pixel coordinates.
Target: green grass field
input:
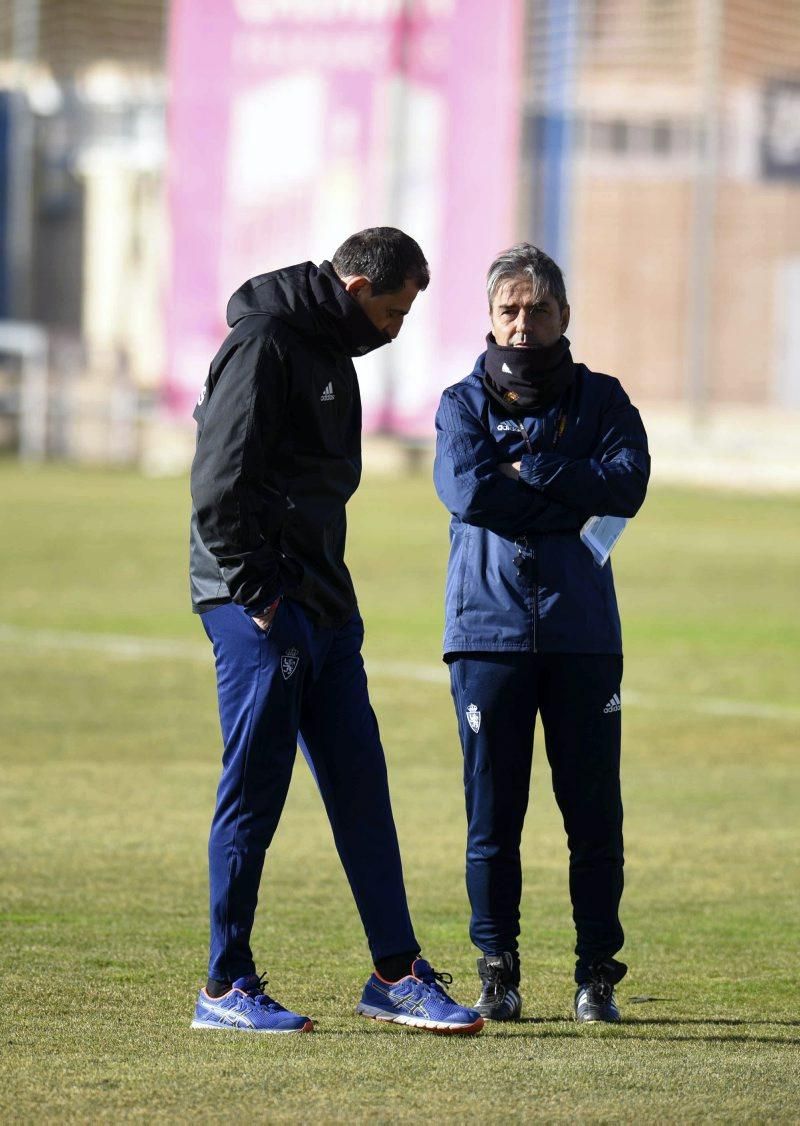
(109, 764)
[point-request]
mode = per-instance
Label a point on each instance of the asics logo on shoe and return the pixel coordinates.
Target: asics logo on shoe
(229, 1016)
(239, 1020)
(613, 705)
(414, 1006)
(410, 1002)
(327, 395)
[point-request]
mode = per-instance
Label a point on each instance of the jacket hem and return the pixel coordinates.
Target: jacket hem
(452, 647)
(321, 620)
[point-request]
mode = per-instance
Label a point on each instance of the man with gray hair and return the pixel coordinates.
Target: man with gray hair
(529, 445)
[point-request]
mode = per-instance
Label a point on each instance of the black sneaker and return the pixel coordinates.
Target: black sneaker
(594, 999)
(499, 999)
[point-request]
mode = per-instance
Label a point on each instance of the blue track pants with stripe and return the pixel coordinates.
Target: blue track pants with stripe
(297, 683)
(497, 697)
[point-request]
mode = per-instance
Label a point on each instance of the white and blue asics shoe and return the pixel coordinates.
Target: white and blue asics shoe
(247, 1008)
(417, 1001)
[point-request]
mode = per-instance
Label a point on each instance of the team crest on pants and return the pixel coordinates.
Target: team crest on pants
(474, 718)
(289, 662)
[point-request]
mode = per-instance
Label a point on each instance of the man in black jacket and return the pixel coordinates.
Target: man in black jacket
(278, 456)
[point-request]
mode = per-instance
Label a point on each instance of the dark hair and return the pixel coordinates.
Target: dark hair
(525, 260)
(388, 257)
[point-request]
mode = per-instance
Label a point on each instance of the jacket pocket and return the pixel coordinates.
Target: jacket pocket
(463, 569)
(264, 633)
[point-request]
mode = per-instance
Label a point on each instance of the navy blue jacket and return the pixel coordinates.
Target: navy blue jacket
(519, 578)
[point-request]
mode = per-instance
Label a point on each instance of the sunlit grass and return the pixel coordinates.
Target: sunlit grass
(109, 769)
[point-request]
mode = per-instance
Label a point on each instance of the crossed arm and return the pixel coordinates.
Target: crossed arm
(544, 491)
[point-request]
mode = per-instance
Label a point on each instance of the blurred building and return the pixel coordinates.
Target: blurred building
(659, 162)
(83, 235)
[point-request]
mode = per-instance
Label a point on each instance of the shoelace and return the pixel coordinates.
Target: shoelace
(604, 973)
(257, 994)
(601, 989)
(432, 980)
(494, 985)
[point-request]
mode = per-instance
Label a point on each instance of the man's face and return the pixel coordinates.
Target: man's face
(520, 320)
(387, 311)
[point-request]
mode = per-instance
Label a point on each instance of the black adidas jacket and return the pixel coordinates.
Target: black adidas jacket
(279, 447)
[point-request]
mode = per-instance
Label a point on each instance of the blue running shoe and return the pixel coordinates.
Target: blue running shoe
(247, 1008)
(417, 1001)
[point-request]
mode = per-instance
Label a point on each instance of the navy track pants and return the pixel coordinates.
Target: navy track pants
(497, 697)
(297, 683)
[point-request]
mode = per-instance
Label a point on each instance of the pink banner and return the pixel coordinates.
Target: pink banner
(294, 123)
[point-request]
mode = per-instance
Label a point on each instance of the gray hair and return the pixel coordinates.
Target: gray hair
(525, 260)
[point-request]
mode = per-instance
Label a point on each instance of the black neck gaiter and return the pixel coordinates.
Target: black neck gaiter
(342, 316)
(528, 379)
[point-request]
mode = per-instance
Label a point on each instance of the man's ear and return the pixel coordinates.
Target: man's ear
(564, 319)
(355, 283)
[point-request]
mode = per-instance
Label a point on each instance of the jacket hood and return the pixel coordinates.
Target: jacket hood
(312, 300)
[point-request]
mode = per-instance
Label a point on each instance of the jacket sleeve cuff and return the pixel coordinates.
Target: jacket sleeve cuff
(531, 471)
(260, 610)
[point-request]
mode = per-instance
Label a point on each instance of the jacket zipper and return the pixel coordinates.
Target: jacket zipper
(527, 569)
(535, 566)
(526, 554)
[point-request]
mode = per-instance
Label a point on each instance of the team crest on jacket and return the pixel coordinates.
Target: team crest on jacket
(474, 718)
(289, 662)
